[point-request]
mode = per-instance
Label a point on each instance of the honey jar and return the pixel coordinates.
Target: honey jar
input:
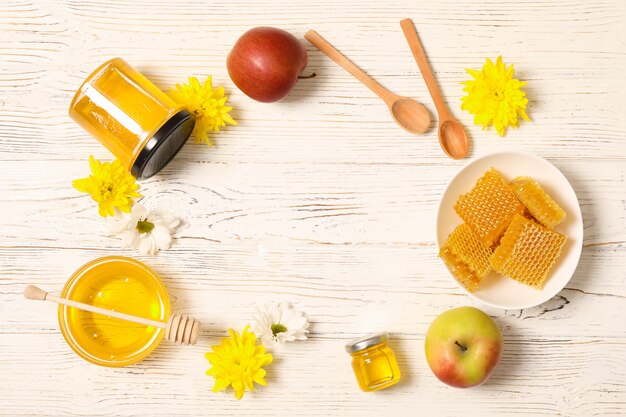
(131, 117)
(373, 361)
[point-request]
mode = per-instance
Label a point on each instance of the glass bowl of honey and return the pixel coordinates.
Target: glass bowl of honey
(120, 284)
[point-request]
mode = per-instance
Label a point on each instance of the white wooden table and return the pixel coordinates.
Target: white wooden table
(320, 200)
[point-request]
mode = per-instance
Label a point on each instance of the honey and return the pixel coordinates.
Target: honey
(540, 205)
(130, 116)
(527, 252)
(467, 257)
(120, 284)
(373, 362)
(489, 207)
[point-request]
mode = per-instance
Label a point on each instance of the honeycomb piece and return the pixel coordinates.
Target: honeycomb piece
(466, 256)
(537, 201)
(489, 207)
(527, 251)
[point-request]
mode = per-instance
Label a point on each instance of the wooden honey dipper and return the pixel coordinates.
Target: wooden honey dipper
(180, 328)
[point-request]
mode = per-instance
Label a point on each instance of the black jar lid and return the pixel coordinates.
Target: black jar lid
(163, 145)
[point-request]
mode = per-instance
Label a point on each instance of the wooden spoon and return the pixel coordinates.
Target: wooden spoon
(452, 136)
(180, 329)
(408, 113)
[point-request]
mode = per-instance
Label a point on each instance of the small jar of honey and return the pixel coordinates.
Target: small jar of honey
(131, 117)
(374, 363)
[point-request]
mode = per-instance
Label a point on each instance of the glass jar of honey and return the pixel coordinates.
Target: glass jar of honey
(374, 363)
(131, 117)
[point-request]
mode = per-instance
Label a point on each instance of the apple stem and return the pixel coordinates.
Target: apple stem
(463, 348)
(306, 77)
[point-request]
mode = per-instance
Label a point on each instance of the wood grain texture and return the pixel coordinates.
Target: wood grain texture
(320, 200)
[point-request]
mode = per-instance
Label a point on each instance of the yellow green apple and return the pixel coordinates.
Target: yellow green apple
(463, 347)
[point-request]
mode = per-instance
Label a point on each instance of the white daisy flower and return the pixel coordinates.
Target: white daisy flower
(280, 323)
(143, 230)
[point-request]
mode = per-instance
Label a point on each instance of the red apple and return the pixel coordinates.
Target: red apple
(265, 63)
(463, 346)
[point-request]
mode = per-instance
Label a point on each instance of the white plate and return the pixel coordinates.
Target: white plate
(497, 290)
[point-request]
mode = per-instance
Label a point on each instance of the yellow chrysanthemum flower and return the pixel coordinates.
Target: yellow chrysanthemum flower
(238, 361)
(495, 97)
(110, 186)
(207, 104)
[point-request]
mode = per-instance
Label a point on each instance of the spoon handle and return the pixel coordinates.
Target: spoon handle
(35, 293)
(420, 57)
(324, 46)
